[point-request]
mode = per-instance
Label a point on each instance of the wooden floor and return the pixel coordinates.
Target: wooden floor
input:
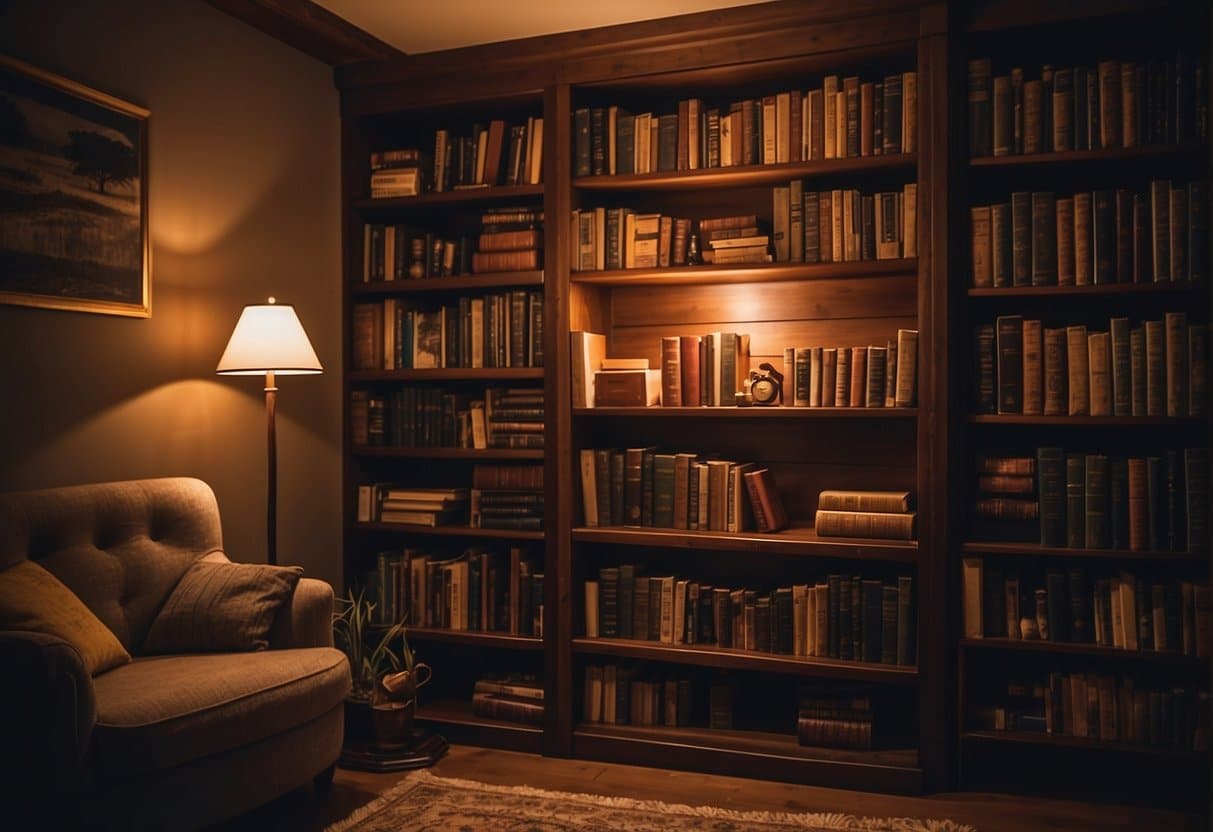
(305, 810)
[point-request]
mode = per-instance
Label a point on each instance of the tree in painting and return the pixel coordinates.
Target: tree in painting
(100, 158)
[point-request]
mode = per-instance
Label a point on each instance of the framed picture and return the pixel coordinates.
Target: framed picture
(73, 196)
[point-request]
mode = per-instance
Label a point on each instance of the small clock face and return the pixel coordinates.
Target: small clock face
(764, 391)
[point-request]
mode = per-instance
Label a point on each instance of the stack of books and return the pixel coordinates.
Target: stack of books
(736, 239)
(836, 721)
(508, 418)
(398, 173)
(1006, 506)
(507, 497)
(511, 698)
(387, 503)
(511, 240)
(871, 514)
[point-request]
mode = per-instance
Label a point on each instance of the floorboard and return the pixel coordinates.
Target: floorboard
(308, 811)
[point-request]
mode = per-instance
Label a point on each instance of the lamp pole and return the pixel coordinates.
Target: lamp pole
(271, 447)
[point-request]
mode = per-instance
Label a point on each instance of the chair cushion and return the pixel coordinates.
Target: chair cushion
(33, 599)
(162, 711)
(218, 606)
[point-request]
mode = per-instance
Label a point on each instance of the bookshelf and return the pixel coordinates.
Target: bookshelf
(1006, 741)
(929, 448)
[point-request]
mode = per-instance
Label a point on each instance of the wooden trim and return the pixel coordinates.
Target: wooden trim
(499, 193)
(736, 176)
(1103, 289)
(479, 454)
(1066, 648)
(449, 531)
(1086, 421)
(476, 638)
(1049, 743)
(454, 720)
(760, 273)
(311, 29)
(463, 283)
(1152, 152)
(799, 541)
(489, 374)
(745, 413)
(1034, 550)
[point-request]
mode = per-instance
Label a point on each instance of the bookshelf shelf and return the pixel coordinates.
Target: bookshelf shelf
(799, 541)
(1064, 648)
(489, 374)
(764, 754)
(1107, 155)
(848, 413)
(1055, 741)
(475, 638)
(1137, 290)
(1030, 550)
(464, 196)
(732, 659)
(1086, 421)
(756, 273)
(461, 283)
(454, 719)
(481, 454)
(450, 531)
(744, 175)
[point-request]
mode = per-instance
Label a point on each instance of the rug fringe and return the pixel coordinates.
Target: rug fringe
(808, 820)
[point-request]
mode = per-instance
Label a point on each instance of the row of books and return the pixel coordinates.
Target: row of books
(641, 487)
(1104, 707)
(500, 329)
(629, 695)
(1116, 103)
(840, 617)
(871, 376)
(512, 697)
(1093, 237)
(844, 117)
(841, 225)
(711, 370)
(385, 502)
(1157, 368)
(483, 589)
(436, 417)
(1085, 606)
(1097, 501)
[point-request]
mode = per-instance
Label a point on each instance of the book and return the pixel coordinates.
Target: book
(868, 524)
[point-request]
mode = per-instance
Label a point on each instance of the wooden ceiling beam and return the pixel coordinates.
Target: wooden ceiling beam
(310, 28)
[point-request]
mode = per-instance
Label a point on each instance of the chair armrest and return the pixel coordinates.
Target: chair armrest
(47, 711)
(306, 619)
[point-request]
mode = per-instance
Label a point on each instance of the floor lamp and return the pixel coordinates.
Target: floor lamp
(269, 339)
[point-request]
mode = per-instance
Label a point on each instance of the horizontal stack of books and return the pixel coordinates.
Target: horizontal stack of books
(869, 514)
(835, 721)
(507, 497)
(400, 172)
(511, 698)
(387, 503)
(511, 240)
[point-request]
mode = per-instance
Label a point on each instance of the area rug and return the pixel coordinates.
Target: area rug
(424, 802)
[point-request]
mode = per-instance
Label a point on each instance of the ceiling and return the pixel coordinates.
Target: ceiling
(414, 27)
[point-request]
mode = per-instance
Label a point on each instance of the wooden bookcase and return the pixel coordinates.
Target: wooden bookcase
(928, 449)
(1030, 35)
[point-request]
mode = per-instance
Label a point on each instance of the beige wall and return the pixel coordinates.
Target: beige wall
(244, 201)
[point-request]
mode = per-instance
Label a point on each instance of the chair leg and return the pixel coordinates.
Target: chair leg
(323, 781)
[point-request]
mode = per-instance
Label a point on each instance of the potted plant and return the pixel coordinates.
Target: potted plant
(385, 674)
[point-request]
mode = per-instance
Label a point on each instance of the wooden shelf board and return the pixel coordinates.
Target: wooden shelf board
(746, 273)
(451, 531)
(451, 374)
(447, 453)
(1030, 550)
(462, 283)
(475, 638)
(1085, 421)
(740, 175)
(760, 754)
(1065, 648)
(849, 413)
(466, 195)
(1135, 289)
(726, 657)
(1054, 741)
(1112, 154)
(797, 541)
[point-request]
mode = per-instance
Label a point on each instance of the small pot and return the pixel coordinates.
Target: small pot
(394, 707)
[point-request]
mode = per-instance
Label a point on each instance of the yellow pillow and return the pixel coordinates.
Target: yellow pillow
(33, 599)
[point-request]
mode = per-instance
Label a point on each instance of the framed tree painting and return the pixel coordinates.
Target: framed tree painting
(73, 196)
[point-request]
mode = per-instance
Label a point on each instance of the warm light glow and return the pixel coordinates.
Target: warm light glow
(269, 338)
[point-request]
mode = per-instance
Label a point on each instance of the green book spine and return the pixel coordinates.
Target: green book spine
(1051, 490)
(1075, 504)
(663, 491)
(1097, 528)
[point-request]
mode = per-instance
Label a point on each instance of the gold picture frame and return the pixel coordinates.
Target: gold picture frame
(73, 196)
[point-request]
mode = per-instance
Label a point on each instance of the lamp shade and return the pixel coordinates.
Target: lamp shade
(269, 338)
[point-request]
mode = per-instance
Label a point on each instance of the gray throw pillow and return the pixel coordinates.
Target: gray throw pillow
(221, 606)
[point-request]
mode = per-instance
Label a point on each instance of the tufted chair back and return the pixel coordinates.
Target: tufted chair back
(120, 546)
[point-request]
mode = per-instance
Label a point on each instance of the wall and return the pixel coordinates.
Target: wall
(244, 203)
